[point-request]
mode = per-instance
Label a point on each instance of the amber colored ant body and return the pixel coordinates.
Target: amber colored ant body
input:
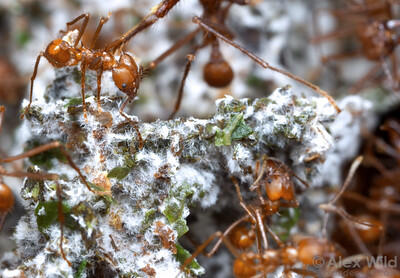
(64, 52)
(251, 228)
(217, 72)
(375, 29)
(276, 180)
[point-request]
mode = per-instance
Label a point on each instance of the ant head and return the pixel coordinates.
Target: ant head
(126, 74)
(58, 52)
(6, 198)
(278, 183)
(242, 237)
(218, 73)
(245, 265)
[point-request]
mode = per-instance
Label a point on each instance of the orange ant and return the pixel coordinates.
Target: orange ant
(239, 237)
(65, 51)
(217, 72)
(276, 179)
(376, 30)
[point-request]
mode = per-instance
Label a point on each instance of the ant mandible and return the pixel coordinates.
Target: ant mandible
(216, 72)
(65, 51)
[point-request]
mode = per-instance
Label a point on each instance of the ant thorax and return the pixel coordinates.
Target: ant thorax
(71, 37)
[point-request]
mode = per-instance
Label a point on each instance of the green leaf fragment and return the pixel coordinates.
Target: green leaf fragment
(173, 211)
(182, 254)
(81, 269)
(119, 172)
(44, 159)
(181, 227)
(47, 214)
(287, 219)
(236, 129)
(149, 216)
(74, 102)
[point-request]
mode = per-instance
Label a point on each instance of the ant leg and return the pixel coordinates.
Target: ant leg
(384, 219)
(103, 20)
(83, 80)
(340, 56)
(40, 149)
(32, 79)
(360, 244)
(263, 63)
(2, 219)
(32, 152)
(395, 71)
(275, 237)
(372, 205)
(261, 228)
(353, 168)
(241, 201)
(173, 48)
(134, 124)
(367, 77)
(34, 176)
(200, 249)
(2, 111)
(224, 235)
(330, 205)
(190, 59)
(61, 219)
(260, 175)
(159, 11)
(240, 2)
(333, 35)
(83, 26)
(99, 75)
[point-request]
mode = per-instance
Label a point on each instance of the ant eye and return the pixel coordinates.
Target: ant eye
(124, 85)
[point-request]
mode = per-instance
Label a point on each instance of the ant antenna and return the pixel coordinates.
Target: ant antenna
(263, 63)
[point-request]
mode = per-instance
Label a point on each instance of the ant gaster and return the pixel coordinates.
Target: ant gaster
(64, 52)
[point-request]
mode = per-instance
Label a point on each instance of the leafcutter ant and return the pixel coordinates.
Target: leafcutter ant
(66, 51)
(217, 72)
(242, 235)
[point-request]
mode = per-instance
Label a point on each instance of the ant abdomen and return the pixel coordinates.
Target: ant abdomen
(243, 238)
(6, 198)
(218, 74)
